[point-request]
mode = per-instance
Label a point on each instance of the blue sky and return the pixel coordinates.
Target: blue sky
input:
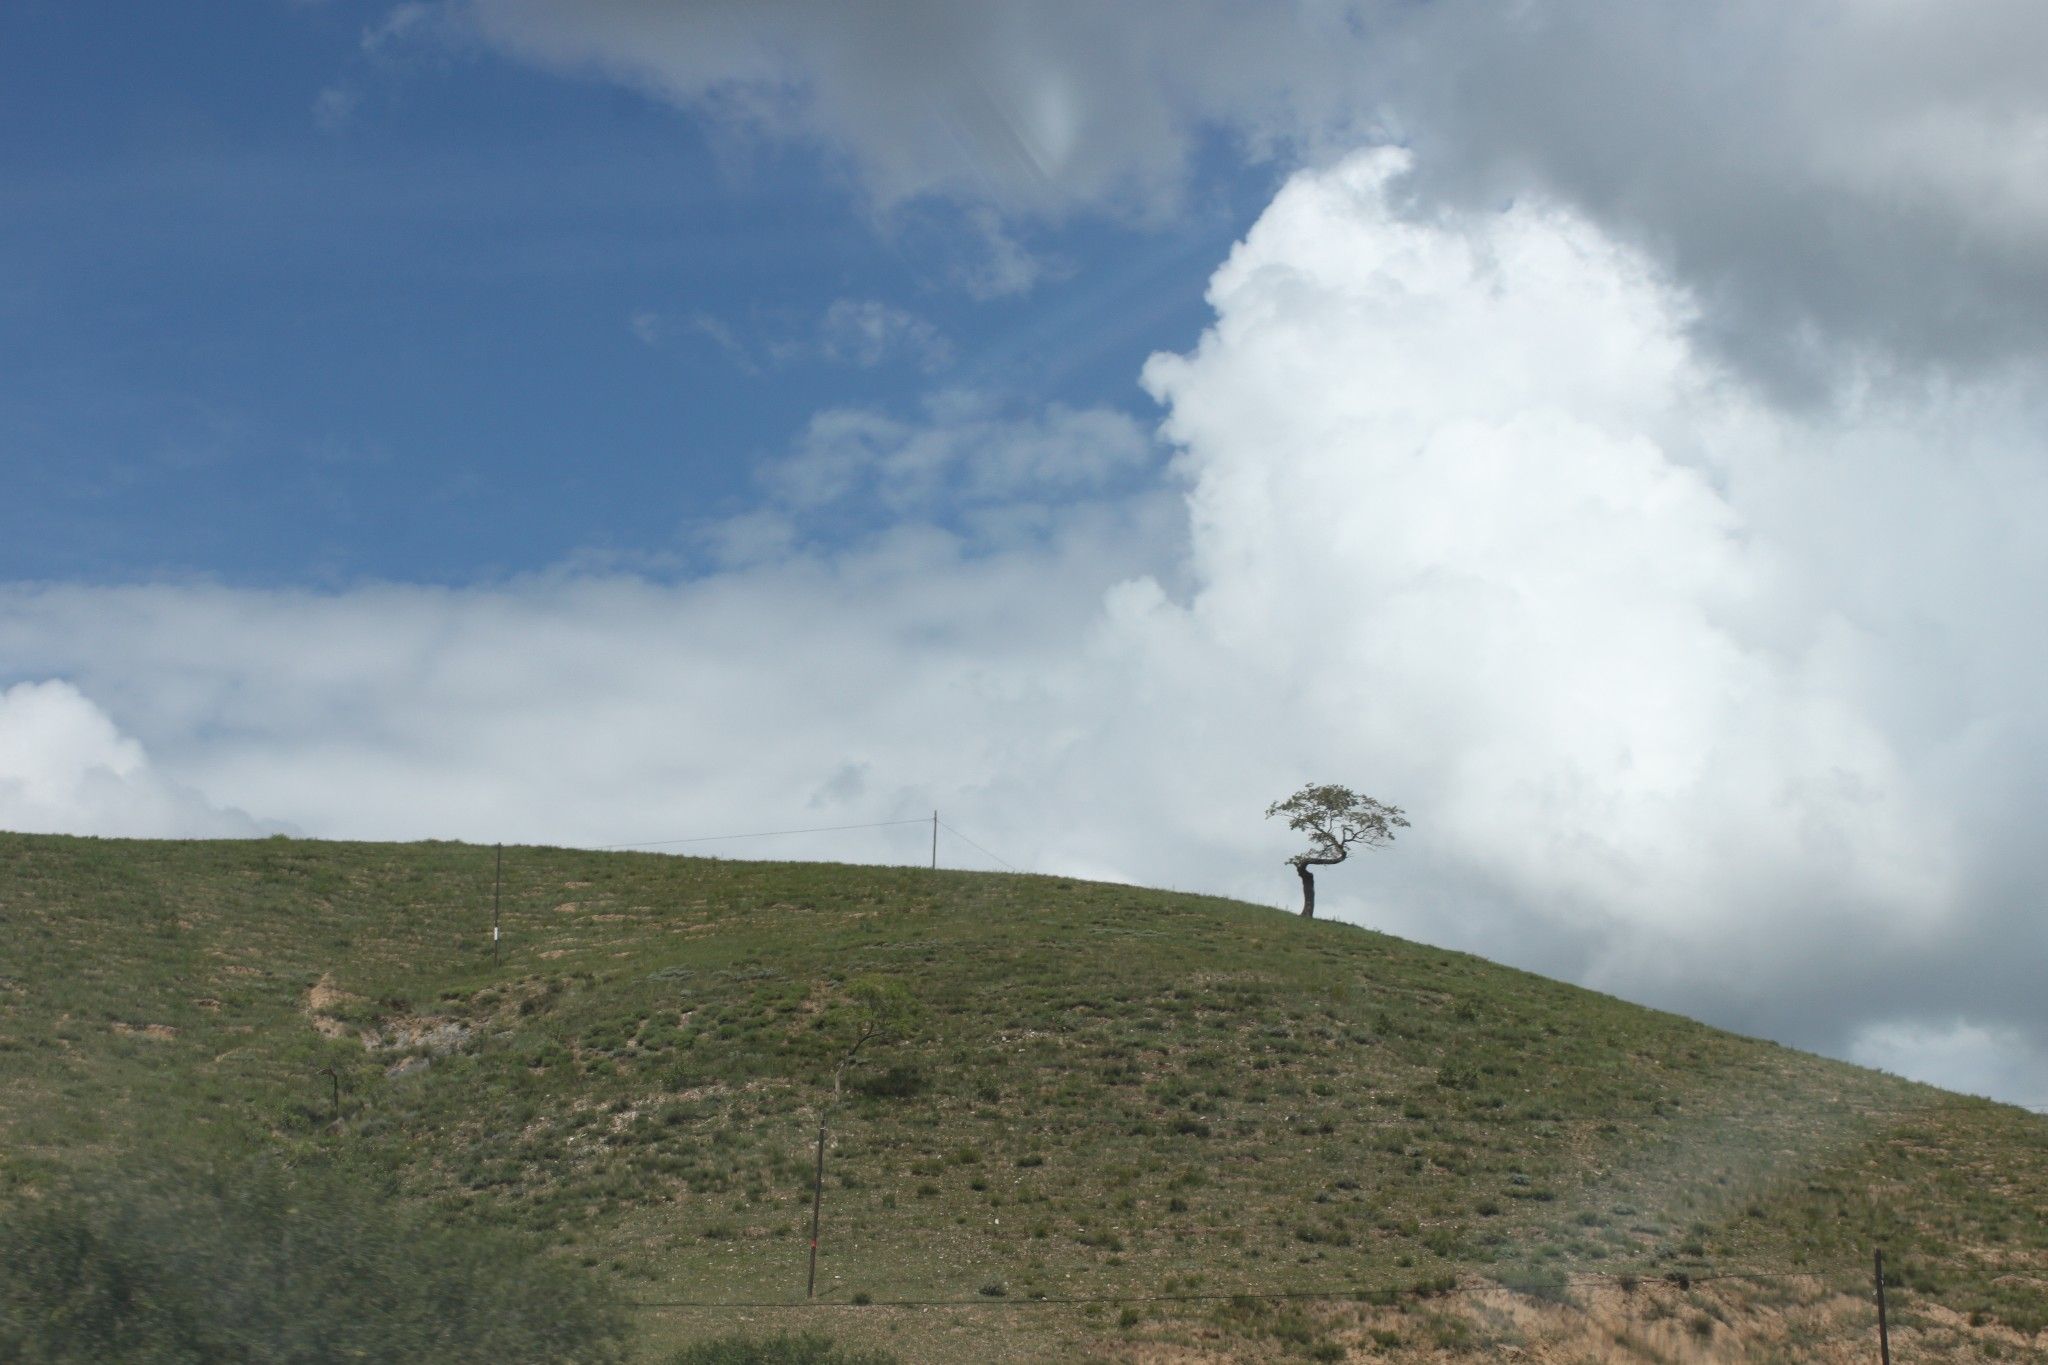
(1611, 432)
(251, 340)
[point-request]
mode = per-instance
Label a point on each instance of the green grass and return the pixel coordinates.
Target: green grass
(1110, 1091)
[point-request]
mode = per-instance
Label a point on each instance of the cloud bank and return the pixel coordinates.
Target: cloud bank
(1044, 109)
(66, 769)
(1844, 173)
(1692, 696)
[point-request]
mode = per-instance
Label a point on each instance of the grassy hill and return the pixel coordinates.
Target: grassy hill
(1123, 1125)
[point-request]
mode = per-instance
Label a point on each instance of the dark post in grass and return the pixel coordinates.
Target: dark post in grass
(497, 885)
(1884, 1336)
(817, 1200)
(334, 1109)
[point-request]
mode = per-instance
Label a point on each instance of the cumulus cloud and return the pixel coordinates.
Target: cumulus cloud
(1841, 174)
(1830, 174)
(1686, 689)
(1692, 696)
(66, 769)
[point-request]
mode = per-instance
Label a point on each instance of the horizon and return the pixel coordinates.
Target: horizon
(1612, 435)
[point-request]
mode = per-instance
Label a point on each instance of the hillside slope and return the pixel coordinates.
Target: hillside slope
(1121, 1116)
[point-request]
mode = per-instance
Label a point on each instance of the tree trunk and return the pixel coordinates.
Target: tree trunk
(1308, 891)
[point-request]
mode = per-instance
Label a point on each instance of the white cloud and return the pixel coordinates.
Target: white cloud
(594, 709)
(869, 332)
(963, 452)
(1043, 108)
(1665, 675)
(66, 769)
(1690, 697)
(1843, 174)
(400, 25)
(1998, 1062)
(990, 262)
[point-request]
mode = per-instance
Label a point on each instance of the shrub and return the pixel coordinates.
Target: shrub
(165, 1262)
(809, 1349)
(900, 1082)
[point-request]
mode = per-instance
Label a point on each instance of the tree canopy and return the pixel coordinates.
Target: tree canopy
(1336, 820)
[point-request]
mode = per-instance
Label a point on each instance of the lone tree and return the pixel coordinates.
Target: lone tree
(1336, 820)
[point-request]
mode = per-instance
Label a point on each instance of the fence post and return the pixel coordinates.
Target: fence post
(817, 1197)
(935, 841)
(497, 885)
(1884, 1336)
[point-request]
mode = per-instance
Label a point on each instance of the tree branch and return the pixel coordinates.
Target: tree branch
(1312, 860)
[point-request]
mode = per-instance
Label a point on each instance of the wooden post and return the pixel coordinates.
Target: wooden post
(817, 1198)
(497, 886)
(935, 841)
(1884, 1336)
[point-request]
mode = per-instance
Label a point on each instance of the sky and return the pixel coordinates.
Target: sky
(1612, 432)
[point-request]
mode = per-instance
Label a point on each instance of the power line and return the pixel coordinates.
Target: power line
(977, 847)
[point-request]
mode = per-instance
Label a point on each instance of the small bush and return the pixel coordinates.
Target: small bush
(901, 1082)
(811, 1348)
(167, 1262)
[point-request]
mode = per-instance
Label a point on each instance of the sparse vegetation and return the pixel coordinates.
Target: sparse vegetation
(809, 1349)
(1113, 1090)
(160, 1260)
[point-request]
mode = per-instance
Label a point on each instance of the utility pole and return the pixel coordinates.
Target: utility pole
(867, 1031)
(935, 841)
(817, 1198)
(497, 886)
(1884, 1336)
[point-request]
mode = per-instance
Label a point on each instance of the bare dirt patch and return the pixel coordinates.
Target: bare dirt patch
(428, 1033)
(321, 1001)
(325, 996)
(432, 1035)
